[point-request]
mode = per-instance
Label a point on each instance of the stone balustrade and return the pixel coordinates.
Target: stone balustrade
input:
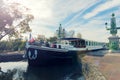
(91, 72)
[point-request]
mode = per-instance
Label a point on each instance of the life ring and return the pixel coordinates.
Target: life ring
(32, 56)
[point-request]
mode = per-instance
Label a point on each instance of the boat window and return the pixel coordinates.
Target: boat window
(59, 46)
(86, 43)
(66, 42)
(72, 43)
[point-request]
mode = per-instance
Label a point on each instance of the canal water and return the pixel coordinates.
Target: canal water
(21, 71)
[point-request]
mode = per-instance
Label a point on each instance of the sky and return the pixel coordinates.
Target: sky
(87, 17)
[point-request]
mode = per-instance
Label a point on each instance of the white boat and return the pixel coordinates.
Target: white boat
(66, 50)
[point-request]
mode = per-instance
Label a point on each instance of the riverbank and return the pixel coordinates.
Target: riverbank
(105, 64)
(108, 64)
(11, 56)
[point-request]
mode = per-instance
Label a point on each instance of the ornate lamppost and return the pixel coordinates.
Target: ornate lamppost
(114, 39)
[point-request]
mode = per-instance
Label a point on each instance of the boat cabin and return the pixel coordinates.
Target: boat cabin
(76, 42)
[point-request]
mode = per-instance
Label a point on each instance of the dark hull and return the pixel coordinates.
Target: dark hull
(50, 57)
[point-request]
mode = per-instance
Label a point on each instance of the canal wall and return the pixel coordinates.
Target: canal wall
(91, 72)
(11, 56)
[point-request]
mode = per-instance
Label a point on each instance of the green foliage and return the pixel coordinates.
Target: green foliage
(114, 46)
(52, 39)
(14, 13)
(12, 45)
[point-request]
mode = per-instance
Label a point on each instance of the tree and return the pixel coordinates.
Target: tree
(40, 37)
(12, 45)
(79, 35)
(10, 15)
(52, 39)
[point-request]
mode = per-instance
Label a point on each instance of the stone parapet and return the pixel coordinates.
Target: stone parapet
(91, 72)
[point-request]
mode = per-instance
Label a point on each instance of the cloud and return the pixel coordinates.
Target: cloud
(94, 30)
(107, 5)
(81, 7)
(49, 13)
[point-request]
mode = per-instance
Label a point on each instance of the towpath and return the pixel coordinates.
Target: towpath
(107, 63)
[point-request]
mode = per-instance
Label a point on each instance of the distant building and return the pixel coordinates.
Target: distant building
(62, 33)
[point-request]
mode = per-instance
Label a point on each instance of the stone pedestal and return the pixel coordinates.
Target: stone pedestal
(113, 43)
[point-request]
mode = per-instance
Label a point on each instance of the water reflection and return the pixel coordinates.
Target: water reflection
(12, 70)
(12, 65)
(59, 72)
(21, 71)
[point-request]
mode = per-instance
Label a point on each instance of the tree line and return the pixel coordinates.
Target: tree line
(18, 44)
(14, 21)
(10, 14)
(12, 45)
